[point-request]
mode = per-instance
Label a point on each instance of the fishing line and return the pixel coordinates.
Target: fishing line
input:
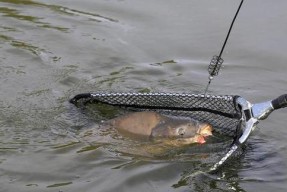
(216, 61)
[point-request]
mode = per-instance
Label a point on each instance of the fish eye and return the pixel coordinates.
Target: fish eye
(181, 131)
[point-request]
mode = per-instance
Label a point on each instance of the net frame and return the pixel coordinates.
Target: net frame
(221, 112)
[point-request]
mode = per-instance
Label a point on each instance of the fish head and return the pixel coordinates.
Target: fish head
(185, 130)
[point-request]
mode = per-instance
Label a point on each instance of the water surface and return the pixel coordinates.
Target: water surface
(52, 50)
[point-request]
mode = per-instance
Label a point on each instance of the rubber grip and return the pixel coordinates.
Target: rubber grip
(280, 102)
(75, 99)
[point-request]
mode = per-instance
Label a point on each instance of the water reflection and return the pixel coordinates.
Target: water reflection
(8, 12)
(21, 45)
(15, 14)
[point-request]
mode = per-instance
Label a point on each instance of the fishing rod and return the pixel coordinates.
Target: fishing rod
(216, 61)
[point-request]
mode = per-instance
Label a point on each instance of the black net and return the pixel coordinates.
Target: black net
(221, 112)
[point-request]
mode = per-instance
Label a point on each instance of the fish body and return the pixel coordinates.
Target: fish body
(175, 130)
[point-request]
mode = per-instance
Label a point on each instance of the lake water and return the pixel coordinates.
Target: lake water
(54, 49)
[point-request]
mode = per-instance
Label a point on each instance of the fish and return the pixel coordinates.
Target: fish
(174, 130)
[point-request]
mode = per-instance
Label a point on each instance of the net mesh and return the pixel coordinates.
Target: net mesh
(221, 112)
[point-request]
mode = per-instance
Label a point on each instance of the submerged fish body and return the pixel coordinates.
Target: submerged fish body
(138, 123)
(174, 130)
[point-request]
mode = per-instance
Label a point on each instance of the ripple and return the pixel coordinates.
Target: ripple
(59, 184)
(92, 16)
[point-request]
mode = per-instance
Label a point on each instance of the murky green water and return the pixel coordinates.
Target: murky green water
(52, 50)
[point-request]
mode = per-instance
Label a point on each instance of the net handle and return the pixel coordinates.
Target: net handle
(280, 102)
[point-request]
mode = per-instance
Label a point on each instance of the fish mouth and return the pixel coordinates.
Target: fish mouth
(195, 139)
(205, 130)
